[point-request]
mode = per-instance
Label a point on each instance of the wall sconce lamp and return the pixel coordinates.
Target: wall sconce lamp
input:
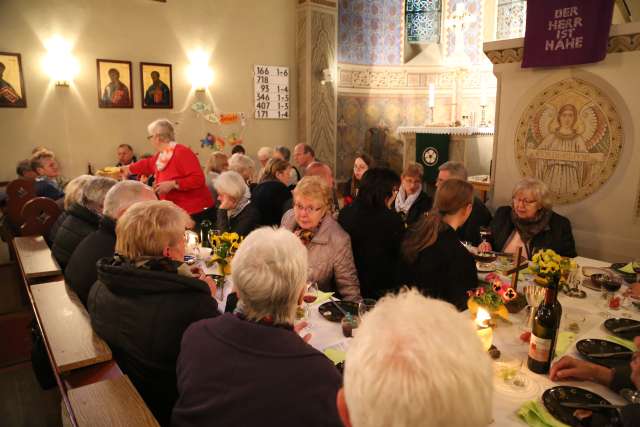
(327, 76)
(59, 62)
(199, 72)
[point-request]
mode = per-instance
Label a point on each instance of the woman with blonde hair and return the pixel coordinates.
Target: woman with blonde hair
(434, 260)
(331, 262)
(272, 196)
(146, 297)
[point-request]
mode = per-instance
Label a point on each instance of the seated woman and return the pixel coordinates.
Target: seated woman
(272, 196)
(255, 356)
(434, 260)
(146, 297)
(217, 163)
(245, 166)
(328, 245)
(411, 201)
(375, 230)
(361, 164)
(530, 223)
(83, 218)
(72, 194)
(236, 213)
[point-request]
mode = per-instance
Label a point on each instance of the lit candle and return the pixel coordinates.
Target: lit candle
(485, 332)
(432, 95)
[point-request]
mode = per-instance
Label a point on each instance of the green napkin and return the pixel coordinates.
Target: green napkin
(565, 339)
(627, 269)
(535, 415)
(323, 296)
(335, 355)
(625, 343)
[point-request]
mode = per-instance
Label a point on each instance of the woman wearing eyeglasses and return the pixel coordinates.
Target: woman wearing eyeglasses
(530, 223)
(328, 245)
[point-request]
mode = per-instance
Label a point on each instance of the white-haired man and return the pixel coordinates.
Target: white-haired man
(80, 273)
(416, 362)
(276, 378)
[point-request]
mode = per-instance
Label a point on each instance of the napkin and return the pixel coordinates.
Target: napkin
(565, 339)
(535, 415)
(627, 269)
(335, 355)
(322, 297)
(625, 343)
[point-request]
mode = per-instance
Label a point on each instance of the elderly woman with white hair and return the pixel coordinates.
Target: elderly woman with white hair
(245, 166)
(255, 356)
(178, 175)
(83, 218)
(146, 297)
(529, 222)
(236, 213)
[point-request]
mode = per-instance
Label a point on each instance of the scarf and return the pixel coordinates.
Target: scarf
(306, 236)
(242, 203)
(165, 156)
(529, 228)
(404, 202)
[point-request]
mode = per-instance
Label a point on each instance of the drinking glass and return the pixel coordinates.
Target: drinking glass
(309, 297)
(610, 287)
(192, 243)
(365, 305)
(534, 295)
(485, 234)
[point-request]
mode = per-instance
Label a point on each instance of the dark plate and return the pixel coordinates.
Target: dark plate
(601, 417)
(485, 257)
(588, 347)
(611, 324)
(330, 312)
(628, 277)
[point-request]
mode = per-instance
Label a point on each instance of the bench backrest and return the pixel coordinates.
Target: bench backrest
(39, 214)
(19, 192)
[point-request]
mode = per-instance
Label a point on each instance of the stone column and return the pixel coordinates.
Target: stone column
(316, 50)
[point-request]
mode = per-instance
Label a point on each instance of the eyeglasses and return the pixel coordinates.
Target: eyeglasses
(306, 209)
(150, 137)
(526, 202)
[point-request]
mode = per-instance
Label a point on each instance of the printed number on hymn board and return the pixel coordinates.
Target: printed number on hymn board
(271, 84)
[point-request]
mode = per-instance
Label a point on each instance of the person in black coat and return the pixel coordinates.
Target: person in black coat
(236, 213)
(480, 215)
(411, 202)
(349, 190)
(272, 197)
(146, 297)
(81, 271)
(252, 368)
(73, 194)
(375, 230)
(434, 260)
(530, 223)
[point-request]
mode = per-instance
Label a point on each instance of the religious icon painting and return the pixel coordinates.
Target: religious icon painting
(114, 84)
(12, 93)
(157, 85)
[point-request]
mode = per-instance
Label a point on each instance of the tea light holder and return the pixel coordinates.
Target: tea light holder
(484, 331)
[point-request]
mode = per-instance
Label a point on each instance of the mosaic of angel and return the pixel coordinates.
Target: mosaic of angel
(569, 145)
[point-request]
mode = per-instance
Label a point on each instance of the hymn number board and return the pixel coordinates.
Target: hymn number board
(272, 92)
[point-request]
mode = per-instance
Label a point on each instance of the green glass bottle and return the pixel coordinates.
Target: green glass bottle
(205, 227)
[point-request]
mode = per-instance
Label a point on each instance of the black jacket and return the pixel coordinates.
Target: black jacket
(557, 235)
(233, 372)
(445, 270)
(244, 223)
(53, 231)
(142, 313)
(480, 217)
(421, 205)
(376, 235)
(81, 272)
(271, 197)
(79, 223)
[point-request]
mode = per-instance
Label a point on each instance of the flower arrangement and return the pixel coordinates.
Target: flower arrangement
(492, 296)
(223, 248)
(548, 266)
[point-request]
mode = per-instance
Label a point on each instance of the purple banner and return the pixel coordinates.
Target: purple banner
(566, 32)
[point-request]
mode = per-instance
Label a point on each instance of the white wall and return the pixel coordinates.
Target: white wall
(604, 225)
(239, 34)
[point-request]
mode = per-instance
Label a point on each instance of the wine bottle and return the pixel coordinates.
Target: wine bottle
(544, 332)
(205, 227)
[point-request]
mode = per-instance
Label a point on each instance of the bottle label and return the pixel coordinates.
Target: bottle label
(539, 349)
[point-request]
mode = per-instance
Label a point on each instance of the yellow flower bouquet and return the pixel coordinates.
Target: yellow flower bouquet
(547, 265)
(223, 248)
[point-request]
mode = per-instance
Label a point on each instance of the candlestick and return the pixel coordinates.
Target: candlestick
(483, 121)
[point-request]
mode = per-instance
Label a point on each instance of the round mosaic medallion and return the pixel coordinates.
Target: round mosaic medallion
(570, 136)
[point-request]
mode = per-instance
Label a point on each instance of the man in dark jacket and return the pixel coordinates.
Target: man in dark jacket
(81, 272)
(83, 219)
(480, 215)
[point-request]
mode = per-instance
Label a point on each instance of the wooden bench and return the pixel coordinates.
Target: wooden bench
(35, 258)
(39, 215)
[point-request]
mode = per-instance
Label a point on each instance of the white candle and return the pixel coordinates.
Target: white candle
(484, 331)
(432, 95)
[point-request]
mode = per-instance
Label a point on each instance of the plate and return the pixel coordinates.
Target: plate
(485, 257)
(628, 277)
(485, 267)
(330, 312)
(588, 347)
(590, 271)
(611, 324)
(552, 398)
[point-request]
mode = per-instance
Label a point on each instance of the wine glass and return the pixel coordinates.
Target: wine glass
(485, 234)
(192, 243)
(534, 295)
(610, 286)
(309, 297)
(365, 305)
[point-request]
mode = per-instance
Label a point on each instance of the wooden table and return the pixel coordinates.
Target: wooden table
(67, 328)
(35, 258)
(113, 402)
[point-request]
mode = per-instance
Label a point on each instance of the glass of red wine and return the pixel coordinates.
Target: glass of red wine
(310, 296)
(485, 234)
(610, 286)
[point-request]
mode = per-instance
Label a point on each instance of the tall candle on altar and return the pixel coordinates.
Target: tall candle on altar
(432, 95)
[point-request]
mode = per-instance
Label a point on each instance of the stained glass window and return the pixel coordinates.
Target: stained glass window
(423, 21)
(512, 17)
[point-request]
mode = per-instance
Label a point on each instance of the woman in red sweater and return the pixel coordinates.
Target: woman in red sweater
(179, 177)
